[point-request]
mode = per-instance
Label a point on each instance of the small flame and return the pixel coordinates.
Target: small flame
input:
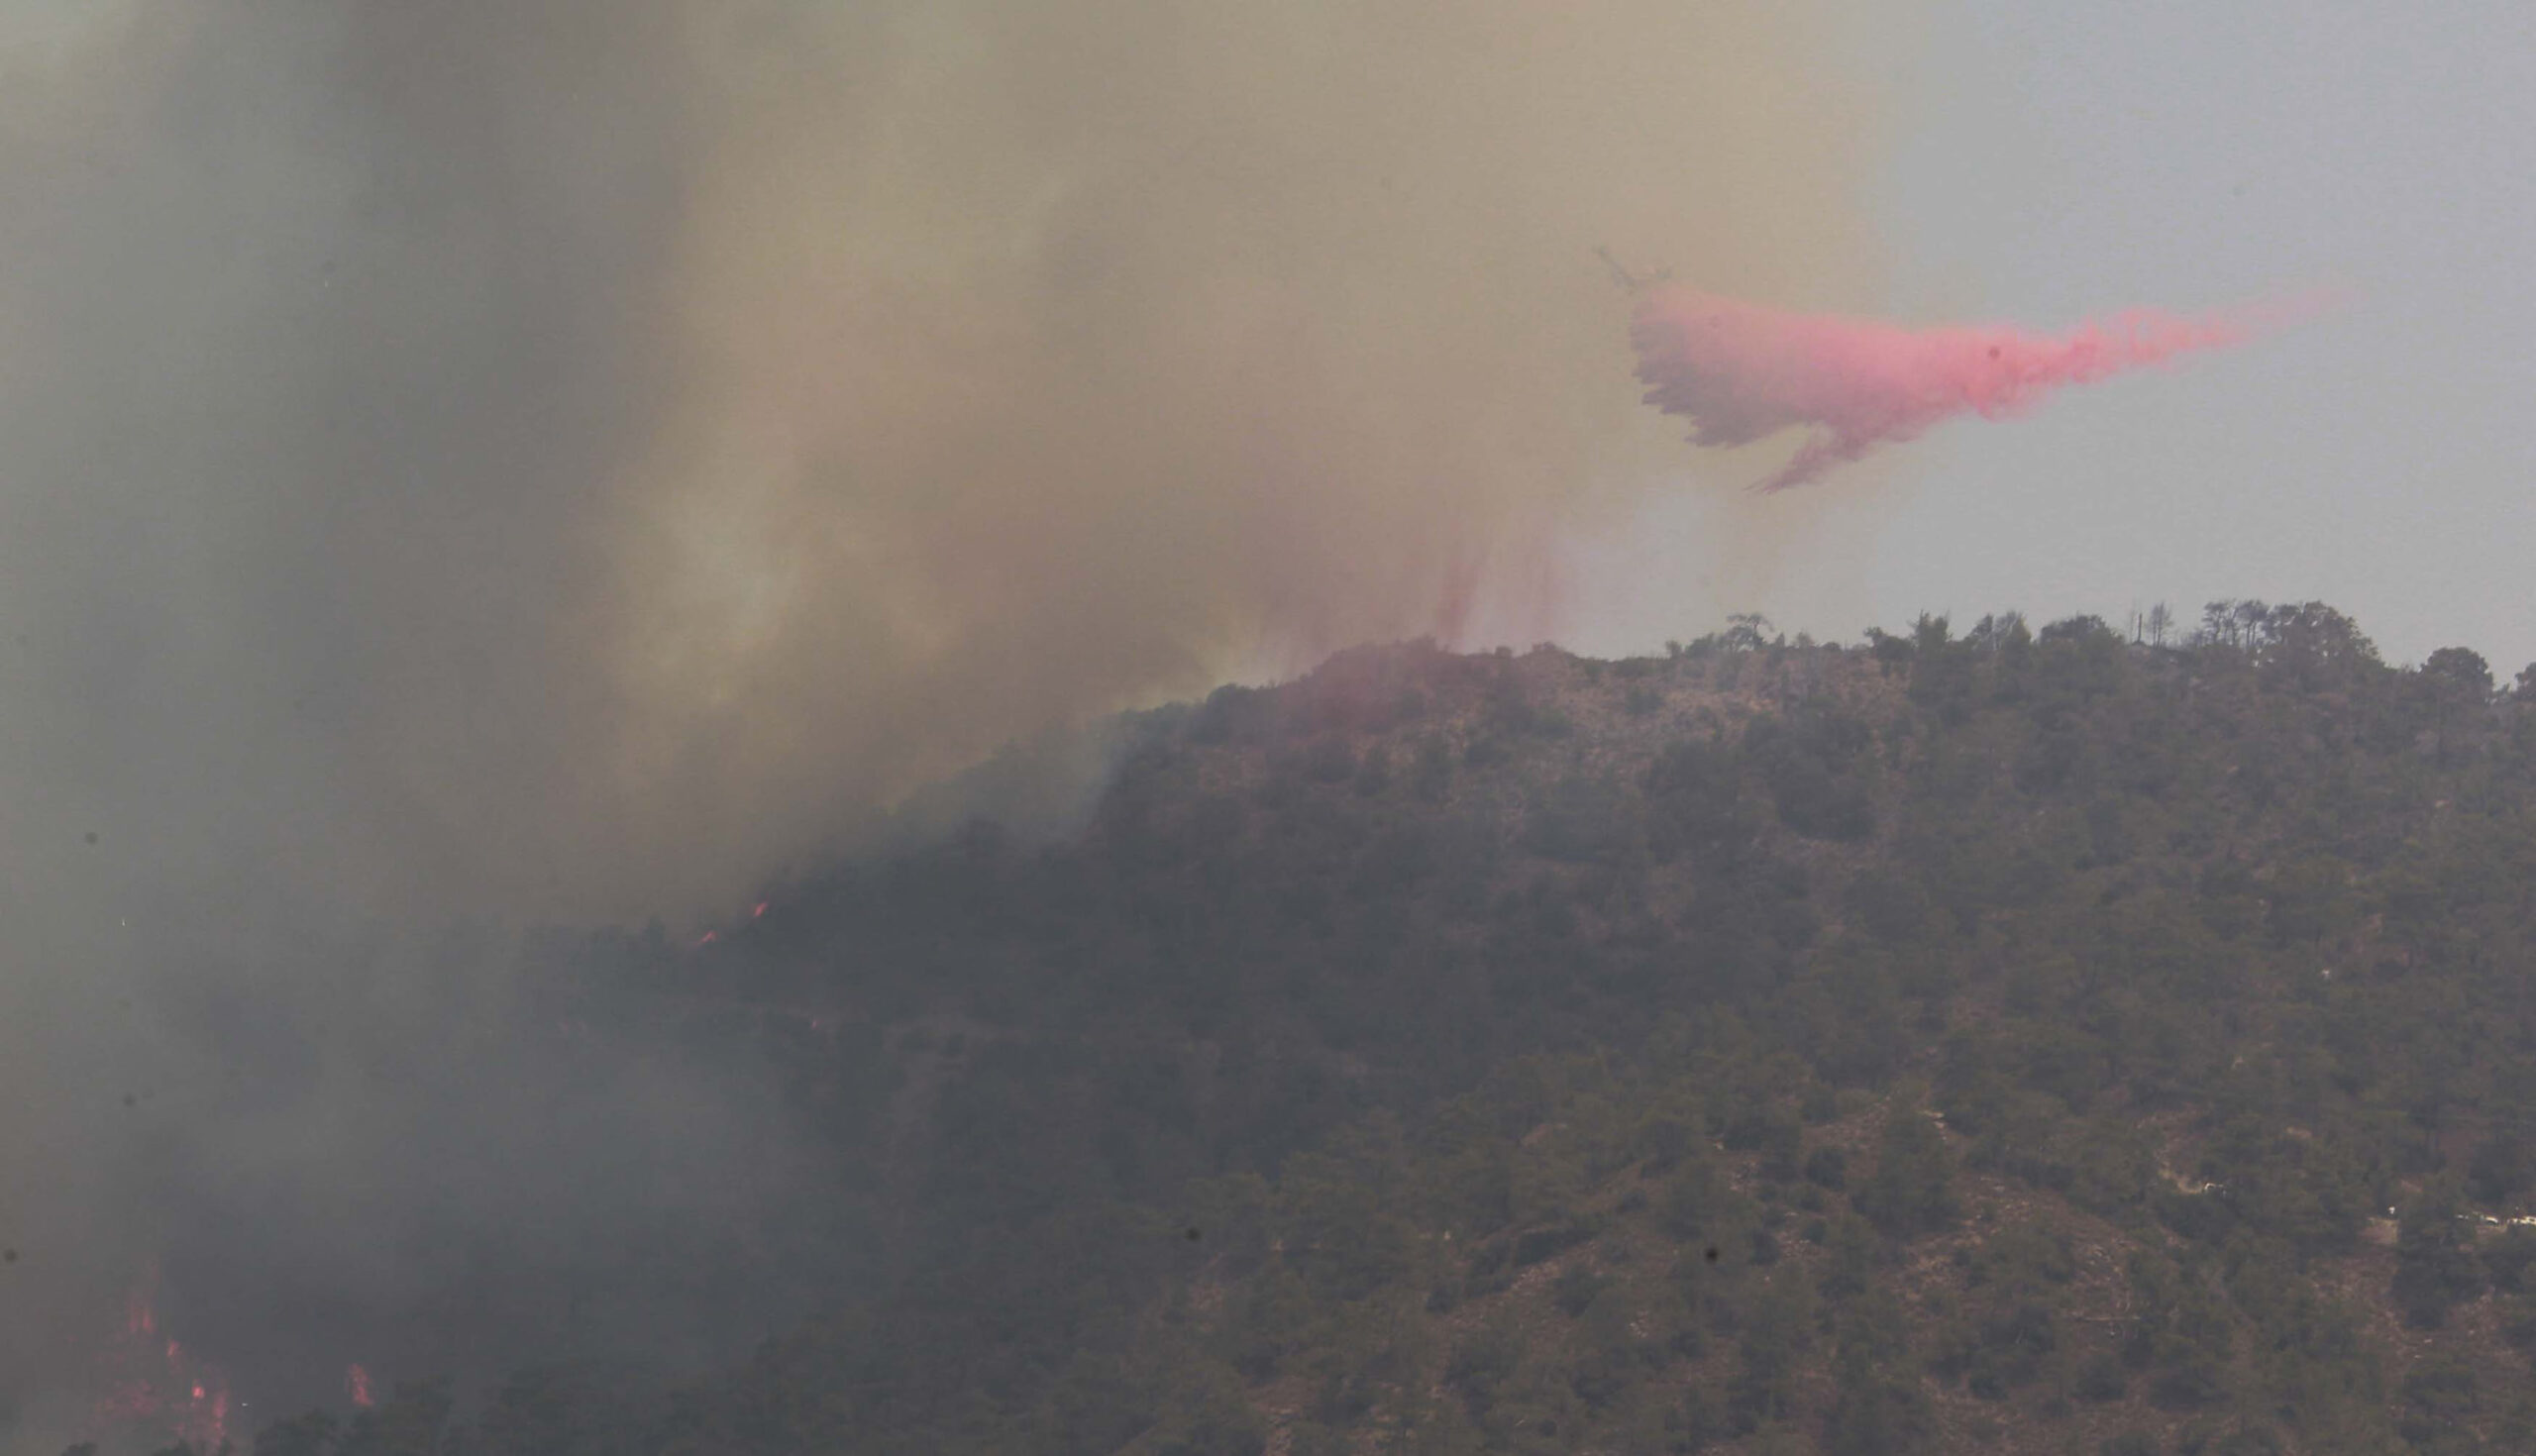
(356, 1384)
(760, 910)
(707, 940)
(153, 1389)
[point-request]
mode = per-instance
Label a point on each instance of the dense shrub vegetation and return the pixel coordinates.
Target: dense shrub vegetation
(2024, 1041)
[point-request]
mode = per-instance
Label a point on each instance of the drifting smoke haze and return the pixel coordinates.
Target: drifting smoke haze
(557, 459)
(1742, 373)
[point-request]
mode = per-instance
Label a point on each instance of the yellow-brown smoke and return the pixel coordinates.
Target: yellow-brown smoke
(578, 457)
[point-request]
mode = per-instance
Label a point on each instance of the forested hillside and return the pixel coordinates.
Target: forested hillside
(2011, 1041)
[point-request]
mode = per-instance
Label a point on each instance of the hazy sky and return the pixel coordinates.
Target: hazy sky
(2058, 159)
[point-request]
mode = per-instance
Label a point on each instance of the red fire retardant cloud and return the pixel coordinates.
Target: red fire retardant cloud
(1740, 372)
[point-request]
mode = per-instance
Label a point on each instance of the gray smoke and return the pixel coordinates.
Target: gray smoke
(499, 458)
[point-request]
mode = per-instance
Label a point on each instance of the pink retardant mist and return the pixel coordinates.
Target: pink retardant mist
(1739, 373)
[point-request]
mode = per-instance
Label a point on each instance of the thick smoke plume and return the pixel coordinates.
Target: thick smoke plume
(573, 456)
(1742, 372)
(578, 457)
